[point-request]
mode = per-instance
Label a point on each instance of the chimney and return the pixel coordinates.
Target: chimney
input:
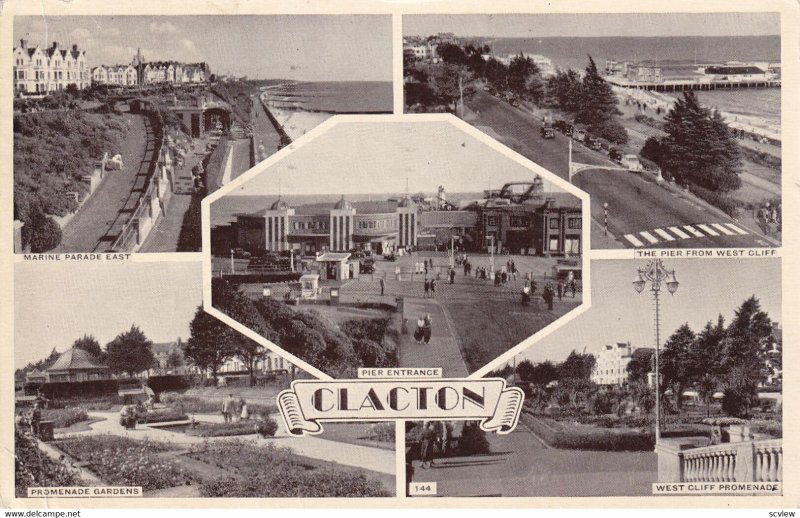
(55, 45)
(23, 43)
(74, 47)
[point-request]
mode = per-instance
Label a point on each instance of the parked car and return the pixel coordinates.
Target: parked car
(615, 155)
(593, 143)
(547, 132)
(631, 162)
(366, 267)
(579, 135)
(569, 129)
(513, 101)
(560, 125)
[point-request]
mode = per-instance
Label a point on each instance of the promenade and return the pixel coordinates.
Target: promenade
(98, 223)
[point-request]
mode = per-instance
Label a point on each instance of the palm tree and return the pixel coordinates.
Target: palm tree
(706, 388)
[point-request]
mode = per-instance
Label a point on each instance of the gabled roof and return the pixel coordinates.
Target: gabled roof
(75, 359)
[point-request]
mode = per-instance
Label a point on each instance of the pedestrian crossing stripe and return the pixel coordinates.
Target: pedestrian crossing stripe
(663, 234)
(634, 241)
(708, 230)
(678, 232)
(669, 234)
(649, 237)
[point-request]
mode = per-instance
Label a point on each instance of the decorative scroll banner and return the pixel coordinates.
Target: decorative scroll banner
(310, 402)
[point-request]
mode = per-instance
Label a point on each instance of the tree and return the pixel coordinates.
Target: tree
(209, 343)
(577, 366)
(747, 340)
(41, 232)
(540, 374)
(599, 104)
(89, 344)
(451, 53)
(524, 79)
(675, 367)
(706, 388)
(699, 147)
(250, 353)
(130, 352)
(708, 352)
(566, 90)
(640, 366)
(174, 359)
(652, 150)
(449, 82)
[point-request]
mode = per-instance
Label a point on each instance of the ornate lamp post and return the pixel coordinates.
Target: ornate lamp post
(656, 274)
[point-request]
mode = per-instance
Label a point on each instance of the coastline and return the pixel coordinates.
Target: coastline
(749, 123)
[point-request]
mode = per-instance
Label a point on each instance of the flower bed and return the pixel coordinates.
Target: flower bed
(585, 437)
(266, 428)
(32, 468)
(64, 417)
(163, 416)
(126, 462)
(199, 405)
(269, 471)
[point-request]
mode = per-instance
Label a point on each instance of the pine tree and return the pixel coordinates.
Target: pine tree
(599, 102)
(699, 147)
(675, 362)
(130, 352)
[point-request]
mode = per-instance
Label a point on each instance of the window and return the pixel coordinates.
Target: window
(491, 220)
(519, 221)
(574, 223)
(554, 223)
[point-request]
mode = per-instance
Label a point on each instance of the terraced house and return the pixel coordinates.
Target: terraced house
(39, 71)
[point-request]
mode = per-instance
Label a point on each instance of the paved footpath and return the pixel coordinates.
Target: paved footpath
(364, 457)
(521, 465)
(98, 223)
(442, 351)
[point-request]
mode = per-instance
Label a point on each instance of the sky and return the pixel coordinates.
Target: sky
(588, 25)
(708, 287)
(427, 154)
(303, 48)
(56, 303)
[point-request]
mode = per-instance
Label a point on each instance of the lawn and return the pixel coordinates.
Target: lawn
(489, 328)
(374, 435)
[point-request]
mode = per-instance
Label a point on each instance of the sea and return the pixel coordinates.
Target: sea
(569, 52)
(335, 96)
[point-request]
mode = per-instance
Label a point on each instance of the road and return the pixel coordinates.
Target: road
(96, 225)
(641, 213)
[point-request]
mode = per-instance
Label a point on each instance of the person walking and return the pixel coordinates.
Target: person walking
(573, 287)
(419, 333)
(427, 288)
(245, 411)
(428, 436)
(433, 288)
(228, 407)
(382, 282)
(560, 289)
(427, 328)
(547, 295)
(452, 275)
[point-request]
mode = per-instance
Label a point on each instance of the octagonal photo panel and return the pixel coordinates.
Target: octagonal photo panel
(395, 241)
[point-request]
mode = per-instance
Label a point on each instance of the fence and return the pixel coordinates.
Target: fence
(154, 195)
(747, 461)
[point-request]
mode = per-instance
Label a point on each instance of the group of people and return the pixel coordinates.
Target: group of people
(436, 438)
(231, 408)
(32, 419)
(430, 288)
(424, 327)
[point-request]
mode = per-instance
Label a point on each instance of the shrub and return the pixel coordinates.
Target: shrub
(588, 438)
(199, 405)
(223, 429)
(771, 428)
(382, 432)
(266, 427)
(43, 234)
(163, 416)
(33, 468)
(728, 205)
(126, 462)
(64, 418)
(473, 440)
(611, 130)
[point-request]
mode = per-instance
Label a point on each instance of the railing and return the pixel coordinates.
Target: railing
(747, 461)
(135, 230)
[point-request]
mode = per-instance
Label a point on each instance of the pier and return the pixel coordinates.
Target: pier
(693, 84)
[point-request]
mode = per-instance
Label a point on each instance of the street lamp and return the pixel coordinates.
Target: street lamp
(233, 267)
(656, 274)
(605, 218)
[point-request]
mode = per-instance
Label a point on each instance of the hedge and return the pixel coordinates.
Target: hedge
(65, 390)
(265, 428)
(574, 438)
(168, 382)
(266, 277)
(726, 203)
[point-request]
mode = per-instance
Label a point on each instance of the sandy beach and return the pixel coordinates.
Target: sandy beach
(295, 121)
(748, 123)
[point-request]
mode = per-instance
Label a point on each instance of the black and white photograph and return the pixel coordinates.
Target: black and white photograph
(429, 248)
(132, 384)
(671, 122)
(122, 124)
(707, 332)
